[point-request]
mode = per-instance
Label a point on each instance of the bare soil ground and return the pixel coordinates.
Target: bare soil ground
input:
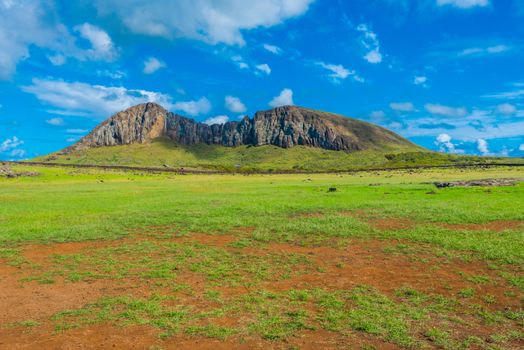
(28, 304)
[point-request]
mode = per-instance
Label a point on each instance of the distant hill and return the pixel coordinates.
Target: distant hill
(286, 138)
(284, 127)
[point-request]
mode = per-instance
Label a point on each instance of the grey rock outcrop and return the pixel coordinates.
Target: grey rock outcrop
(285, 127)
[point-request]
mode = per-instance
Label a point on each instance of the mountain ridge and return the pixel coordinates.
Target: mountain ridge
(285, 127)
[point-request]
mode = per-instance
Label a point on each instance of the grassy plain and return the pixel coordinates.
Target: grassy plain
(261, 261)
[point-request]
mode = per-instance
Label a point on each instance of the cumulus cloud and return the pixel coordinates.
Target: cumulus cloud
(77, 98)
(338, 72)
(18, 153)
(219, 119)
(152, 64)
(521, 147)
(28, 24)
(240, 62)
(273, 49)
(402, 106)
(55, 121)
(445, 144)
(234, 104)
(285, 98)
(446, 110)
(113, 74)
(420, 80)
(370, 41)
(10, 144)
(377, 115)
(482, 146)
(102, 47)
(57, 60)
(264, 68)
(25, 24)
(205, 20)
(10, 147)
(193, 108)
(463, 4)
(506, 109)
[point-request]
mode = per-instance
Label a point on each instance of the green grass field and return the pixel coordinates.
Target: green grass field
(263, 158)
(261, 261)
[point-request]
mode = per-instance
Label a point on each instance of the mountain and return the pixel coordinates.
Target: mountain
(288, 138)
(285, 127)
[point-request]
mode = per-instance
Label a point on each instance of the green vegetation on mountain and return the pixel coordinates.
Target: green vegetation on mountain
(162, 152)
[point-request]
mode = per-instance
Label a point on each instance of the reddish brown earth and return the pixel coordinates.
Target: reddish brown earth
(375, 263)
(497, 226)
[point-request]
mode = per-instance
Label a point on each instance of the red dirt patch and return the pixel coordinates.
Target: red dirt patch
(313, 215)
(395, 224)
(203, 238)
(107, 336)
(366, 262)
(362, 262)
(391, 224)
(497, 226)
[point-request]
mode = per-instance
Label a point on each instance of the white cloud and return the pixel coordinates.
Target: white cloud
(443, 141)
(508, 95)
(467, 130)
(76, 98)
(402, 106)
(200, 106)
(273, 49)
(377, 115)
(77, 131)
(395, 125)
(152, 64)
(506, 109)
(497, 48)
(102, 47)
(239, 61)
(17, 153)
(339, 72)
(25, 24)
(483, 51)
(71, 139)
(28, 24)
(55, 121)
(284, 99)
(482, 146)
(464, 4)
(370, 41)
(420, 80)
(234, 104)
(116, 74)
(57, 60)
(264, 68)
(446, 110)
(219, 119)
(10, 144)
(373, 56)
(205, 20)
(521, 147)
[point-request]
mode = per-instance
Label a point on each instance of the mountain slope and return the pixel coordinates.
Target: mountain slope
(282, 139)
(284, 127)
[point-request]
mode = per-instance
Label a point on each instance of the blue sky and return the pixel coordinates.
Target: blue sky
(447, 74)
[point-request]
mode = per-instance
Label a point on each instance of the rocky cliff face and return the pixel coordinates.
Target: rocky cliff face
(285, 127)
